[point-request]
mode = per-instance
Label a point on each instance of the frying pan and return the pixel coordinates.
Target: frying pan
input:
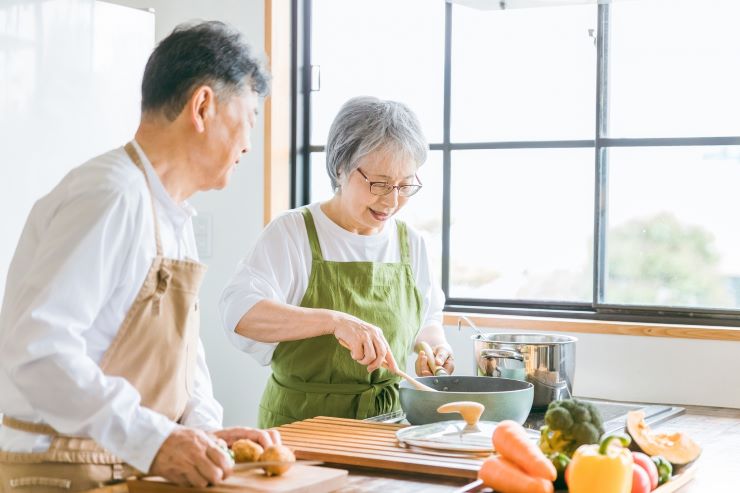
(503, 398)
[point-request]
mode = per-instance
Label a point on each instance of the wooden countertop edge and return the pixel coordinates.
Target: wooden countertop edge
(485, 321)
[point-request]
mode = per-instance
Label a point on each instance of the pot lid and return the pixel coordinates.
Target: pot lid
(456, 436)
(468, 435)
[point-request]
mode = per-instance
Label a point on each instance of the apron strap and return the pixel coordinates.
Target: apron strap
(403, 240)
(63, 448)
(313, 237)
(29, 427)
(134, 155)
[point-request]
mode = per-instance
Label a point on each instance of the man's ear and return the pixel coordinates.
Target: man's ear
(201, 107)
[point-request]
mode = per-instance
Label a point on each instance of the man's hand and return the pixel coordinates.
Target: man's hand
(189, 457)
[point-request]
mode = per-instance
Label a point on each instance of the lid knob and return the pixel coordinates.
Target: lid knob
(469, 410)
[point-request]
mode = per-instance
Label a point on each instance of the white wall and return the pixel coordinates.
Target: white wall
(235, 214)
(70, 72)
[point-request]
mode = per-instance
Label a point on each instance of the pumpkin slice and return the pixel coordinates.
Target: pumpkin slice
(676, 447)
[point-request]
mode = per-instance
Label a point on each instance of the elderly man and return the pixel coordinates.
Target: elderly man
(102, 371)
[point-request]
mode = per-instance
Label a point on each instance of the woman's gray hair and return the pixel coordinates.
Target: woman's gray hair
(366, 124)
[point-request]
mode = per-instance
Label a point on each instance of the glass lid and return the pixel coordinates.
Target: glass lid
(457, 436)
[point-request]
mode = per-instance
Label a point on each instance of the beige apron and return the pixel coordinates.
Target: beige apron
(155, 350)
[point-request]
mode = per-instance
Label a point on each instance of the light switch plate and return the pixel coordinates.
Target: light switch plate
(203, 231)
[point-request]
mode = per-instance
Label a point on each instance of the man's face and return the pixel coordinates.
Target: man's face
(227, 137)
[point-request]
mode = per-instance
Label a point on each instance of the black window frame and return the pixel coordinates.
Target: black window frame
(301, 87)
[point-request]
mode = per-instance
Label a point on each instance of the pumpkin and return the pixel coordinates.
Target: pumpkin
(677, 448)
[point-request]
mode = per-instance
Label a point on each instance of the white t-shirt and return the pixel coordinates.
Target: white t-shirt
(279, 265)
(80, 262)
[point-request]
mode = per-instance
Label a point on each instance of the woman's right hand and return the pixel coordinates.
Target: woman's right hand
(365, 341)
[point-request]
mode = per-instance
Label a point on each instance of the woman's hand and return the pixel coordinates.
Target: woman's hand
(365, 341)
(442, 356)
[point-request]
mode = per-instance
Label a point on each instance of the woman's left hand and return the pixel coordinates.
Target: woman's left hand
(442, 356)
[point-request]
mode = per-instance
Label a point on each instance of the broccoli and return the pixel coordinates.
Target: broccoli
(568, 425)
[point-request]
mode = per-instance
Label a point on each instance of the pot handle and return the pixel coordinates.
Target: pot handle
(501, 353)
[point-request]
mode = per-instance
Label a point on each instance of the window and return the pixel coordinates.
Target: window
(584, 158)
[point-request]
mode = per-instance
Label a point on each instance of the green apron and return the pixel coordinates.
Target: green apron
(317, 376)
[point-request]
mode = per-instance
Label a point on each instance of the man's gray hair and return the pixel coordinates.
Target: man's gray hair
(366, 124)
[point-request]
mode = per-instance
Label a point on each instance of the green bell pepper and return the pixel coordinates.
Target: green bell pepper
(665, 469)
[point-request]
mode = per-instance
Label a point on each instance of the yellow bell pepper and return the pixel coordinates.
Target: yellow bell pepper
(601, 468)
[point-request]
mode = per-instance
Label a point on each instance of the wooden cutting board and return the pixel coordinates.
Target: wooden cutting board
(298, 479)
(371, 445)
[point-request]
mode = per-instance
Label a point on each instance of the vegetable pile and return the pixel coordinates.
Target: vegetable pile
(572, 450)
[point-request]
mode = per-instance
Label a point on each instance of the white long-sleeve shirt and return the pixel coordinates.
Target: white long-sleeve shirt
(80, 262)
(279, 265)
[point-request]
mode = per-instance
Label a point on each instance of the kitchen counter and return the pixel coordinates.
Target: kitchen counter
(717, 430)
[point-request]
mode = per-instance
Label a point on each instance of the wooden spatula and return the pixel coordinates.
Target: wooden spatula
(417, 384)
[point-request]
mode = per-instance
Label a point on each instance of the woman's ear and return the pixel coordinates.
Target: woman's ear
(201, 106)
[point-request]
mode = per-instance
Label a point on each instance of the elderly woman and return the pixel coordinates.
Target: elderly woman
(335, 295)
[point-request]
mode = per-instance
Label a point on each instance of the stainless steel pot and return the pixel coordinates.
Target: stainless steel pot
(547, 361)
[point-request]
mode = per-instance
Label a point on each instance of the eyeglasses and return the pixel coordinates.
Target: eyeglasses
(384, 188)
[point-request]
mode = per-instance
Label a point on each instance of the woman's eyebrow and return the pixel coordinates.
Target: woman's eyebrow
(389, 177)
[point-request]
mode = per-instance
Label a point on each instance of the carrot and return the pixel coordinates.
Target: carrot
(511, 441)
(503, 476)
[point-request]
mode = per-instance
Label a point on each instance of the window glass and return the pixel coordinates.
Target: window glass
(523, 74)
(674, 68)
(523, 218)
(673, 238)
(522, 224)
(391, 49)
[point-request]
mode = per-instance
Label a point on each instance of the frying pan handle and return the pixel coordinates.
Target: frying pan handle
(501, 353)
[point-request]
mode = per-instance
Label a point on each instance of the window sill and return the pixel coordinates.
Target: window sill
(487, 321)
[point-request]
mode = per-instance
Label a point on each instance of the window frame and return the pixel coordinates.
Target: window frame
(594, 310)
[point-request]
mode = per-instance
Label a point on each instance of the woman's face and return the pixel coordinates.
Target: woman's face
(362, 211)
